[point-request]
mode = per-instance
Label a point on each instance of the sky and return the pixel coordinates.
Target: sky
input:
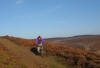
(49, 18)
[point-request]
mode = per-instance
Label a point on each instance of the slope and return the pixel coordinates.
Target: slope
(28, 58)
(85, 42)
(74, 57)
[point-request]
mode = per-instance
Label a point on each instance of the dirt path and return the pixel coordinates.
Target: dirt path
(30, 59)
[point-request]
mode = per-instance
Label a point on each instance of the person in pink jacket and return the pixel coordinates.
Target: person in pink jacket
(39, 42)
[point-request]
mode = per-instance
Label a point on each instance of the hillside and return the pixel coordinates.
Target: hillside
(57, 56)
(9, 60)
(21, 48)
(87, 42)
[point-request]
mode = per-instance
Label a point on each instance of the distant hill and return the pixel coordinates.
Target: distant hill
(87, 42)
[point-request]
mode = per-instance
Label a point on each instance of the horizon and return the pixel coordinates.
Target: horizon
(49, 18)
(52, 37)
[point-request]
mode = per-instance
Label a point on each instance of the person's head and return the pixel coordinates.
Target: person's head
(39, 37)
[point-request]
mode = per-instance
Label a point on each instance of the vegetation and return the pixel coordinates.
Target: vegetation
(74, 56)
(69, 56)
(7, 60)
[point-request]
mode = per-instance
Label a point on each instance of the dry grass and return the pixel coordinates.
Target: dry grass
(7, 60)
(74, 56)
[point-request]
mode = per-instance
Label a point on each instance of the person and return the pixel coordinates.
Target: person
(40, 42)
